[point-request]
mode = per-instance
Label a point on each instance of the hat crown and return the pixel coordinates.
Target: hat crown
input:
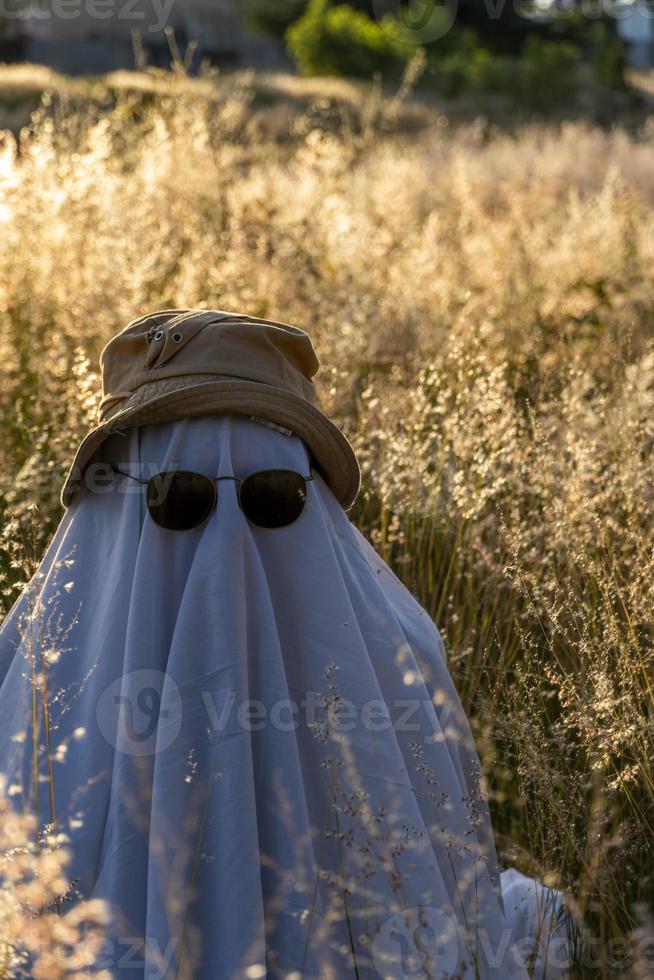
(178, 364)
(183, 343)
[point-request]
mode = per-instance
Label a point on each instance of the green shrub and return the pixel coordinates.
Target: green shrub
(449, 74)
(488, 72)
(607, 58)
(449, 61)
(343, 41)
(465, 67)
(547, 72)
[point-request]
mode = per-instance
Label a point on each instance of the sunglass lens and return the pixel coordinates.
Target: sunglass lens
(273, 498)
(180, 501)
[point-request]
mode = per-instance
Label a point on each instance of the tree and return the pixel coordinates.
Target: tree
(462, 38)
(337, 39)
(502, 27)
(276, 16)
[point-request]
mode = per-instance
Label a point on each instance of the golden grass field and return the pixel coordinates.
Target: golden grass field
(483, 303)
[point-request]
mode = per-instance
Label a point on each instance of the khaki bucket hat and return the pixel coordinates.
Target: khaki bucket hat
(179, 363)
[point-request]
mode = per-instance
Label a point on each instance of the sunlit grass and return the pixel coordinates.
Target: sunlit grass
(482, 303)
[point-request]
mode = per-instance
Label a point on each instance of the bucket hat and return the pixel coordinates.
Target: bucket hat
(174, 364)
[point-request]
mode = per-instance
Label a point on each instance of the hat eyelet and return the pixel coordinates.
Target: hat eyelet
(178, 338)
(159, 335)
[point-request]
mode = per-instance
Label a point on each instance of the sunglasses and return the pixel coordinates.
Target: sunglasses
(179, 500)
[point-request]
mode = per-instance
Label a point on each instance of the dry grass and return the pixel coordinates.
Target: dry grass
(483, 305)
(23, 85)
(39, 937)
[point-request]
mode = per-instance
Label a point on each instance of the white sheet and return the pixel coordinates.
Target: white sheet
(197, 800)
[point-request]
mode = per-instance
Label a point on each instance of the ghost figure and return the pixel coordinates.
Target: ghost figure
(244, 723)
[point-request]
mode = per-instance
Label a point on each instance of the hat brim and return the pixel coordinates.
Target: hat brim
(332, 451)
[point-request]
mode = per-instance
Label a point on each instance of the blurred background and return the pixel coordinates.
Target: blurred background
(457, 202)
(542, 54)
